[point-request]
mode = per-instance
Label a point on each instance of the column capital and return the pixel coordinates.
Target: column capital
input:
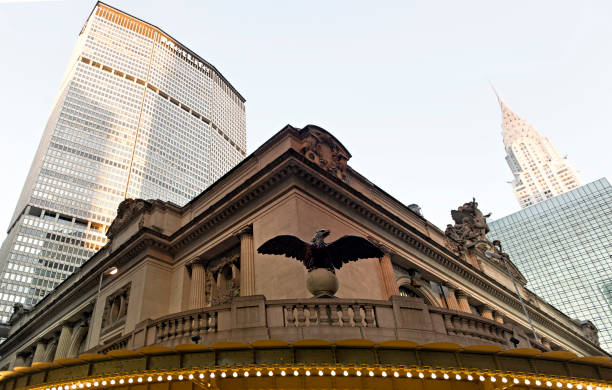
(68, 324)
(195, 260)
(244, 230)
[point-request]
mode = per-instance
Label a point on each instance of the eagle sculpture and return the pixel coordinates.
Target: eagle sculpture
(318, 253)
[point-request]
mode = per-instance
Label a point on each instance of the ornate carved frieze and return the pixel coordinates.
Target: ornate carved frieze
(325, 150)
(223, 279)
(127, 210)
(115, 308)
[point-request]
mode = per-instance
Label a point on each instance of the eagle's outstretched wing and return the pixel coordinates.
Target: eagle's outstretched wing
(351, 248)
(287, 245)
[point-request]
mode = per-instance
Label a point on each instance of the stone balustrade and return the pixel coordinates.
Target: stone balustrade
(253, 318)
(460, 324)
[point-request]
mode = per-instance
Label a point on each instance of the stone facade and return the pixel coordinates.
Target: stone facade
(193, 271)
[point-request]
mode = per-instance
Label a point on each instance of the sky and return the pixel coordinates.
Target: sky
(403, 85)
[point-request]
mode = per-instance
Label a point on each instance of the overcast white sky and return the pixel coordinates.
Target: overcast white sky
(403, 85)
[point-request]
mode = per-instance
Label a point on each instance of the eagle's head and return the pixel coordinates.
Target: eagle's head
(320, 236)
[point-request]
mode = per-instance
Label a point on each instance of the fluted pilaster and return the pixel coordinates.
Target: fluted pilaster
(20, 360)
(499, 317)
(462, 301)
(386, 266)
(451, 299)
(63, 343)
(79, 332)
(197, 297)
(39, 352)
(50, 350)
(247, 261)
(487, 312)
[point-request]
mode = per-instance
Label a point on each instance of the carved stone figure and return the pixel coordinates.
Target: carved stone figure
(470, 225)
(18, 311)
(319, 254)
(323, 149)
(321, 259)
(126, 211)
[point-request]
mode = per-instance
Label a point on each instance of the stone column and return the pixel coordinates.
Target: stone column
(197, 297)
(247, 261)
(462, 300)
(63, 343)
(498, 317)
(388, 275)
(450, 297)
(39, 352)
(487, 312)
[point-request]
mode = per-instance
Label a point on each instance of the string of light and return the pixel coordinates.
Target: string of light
(221, 373)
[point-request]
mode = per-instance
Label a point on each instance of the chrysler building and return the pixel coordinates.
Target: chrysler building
(539, 172)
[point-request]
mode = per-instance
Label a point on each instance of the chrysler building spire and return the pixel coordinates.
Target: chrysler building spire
(539, 172)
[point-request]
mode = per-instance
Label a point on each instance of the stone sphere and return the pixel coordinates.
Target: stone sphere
(322, 283)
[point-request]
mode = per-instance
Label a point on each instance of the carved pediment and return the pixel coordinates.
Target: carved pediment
(127, 210)
(325, 150)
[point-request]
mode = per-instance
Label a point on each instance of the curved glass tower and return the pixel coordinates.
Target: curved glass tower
(138, 115)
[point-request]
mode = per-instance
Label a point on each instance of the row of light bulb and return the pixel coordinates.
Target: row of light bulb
(315, 372)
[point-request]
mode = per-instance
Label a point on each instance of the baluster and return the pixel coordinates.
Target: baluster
(204, 321)
(168, 330)
(346, 318)
(301, 317)
(449, 324)
(175, 328)
(187, 326)
(324, 314)
(499, 332)
(165, 330)
(158, 335)
(357, 318)
(472, 326)
(194, 323)
(290, 318)
(180, 329)
(486, 329)
(312, 315)
(370, 318)
(213, 322)
(335, 320)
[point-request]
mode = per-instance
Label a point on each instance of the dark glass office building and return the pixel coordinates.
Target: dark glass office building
(563, 246)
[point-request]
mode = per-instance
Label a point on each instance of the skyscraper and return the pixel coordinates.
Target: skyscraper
(138, 115)
(539, 172)
(562, 245)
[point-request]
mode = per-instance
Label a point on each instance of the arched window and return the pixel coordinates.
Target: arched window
(406, 292)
